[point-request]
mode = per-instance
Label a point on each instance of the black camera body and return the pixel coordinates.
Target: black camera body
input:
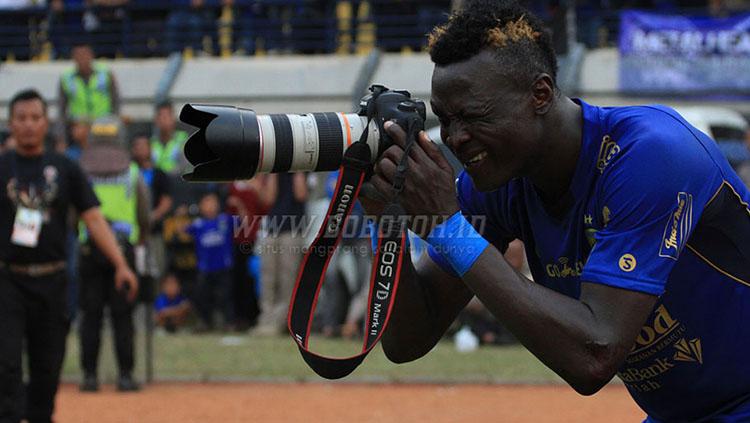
(384, 104)
(233, 143)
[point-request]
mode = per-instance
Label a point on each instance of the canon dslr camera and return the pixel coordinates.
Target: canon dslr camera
(232, 143)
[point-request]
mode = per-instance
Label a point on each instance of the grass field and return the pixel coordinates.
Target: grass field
(244, 357)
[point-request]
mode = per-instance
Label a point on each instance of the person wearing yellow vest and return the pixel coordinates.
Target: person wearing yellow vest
(124, 202)
(168, 142)
(119, 197)
(88, 90)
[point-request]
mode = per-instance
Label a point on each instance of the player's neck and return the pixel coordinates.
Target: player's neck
(557, 164)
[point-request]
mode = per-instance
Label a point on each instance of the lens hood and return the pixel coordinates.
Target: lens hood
(225, 147)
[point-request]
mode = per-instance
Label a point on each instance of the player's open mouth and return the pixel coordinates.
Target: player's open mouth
(476, 160)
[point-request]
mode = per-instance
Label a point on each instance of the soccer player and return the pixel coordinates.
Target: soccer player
(636, 229)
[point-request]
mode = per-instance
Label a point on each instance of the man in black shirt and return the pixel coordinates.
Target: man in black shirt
(36, 190)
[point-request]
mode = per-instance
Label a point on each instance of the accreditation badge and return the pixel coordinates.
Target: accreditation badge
(26, 227)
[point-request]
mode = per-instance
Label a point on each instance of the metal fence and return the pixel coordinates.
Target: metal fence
(245, 27)
(143, 28)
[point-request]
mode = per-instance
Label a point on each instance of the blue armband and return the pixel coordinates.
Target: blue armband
(438, 259)
(458, 242)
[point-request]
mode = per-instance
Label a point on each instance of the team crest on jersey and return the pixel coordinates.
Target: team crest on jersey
(678, 227)
(607, 151)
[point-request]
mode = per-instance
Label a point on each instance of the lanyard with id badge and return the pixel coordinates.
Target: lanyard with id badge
(30, 205)
(26, 227)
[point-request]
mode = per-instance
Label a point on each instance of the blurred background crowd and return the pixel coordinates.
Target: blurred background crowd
(201, 260)
(141, 28)
(223, 256)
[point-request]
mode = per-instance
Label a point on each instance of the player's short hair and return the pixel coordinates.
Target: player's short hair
(26, 95)
(522, 45)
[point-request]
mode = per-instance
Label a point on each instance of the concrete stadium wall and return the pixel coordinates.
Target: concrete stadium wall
(289, 84)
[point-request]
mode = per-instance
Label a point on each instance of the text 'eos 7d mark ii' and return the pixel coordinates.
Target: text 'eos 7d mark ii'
(234, 143)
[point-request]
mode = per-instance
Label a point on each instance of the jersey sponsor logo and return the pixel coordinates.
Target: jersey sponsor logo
(655, 335)
(660, 333)
(634, 374)
(678, 227)
(689, 350)
(564, 268)
(607, 151)
(627, 262)
(661, 324)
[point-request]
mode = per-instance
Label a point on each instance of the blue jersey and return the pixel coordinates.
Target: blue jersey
(213, 243)
(653, 207)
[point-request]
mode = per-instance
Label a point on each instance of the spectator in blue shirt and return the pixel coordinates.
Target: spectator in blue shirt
(212, 232)
(171, 307)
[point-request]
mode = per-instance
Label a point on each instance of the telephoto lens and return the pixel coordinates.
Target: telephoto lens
(234, 143)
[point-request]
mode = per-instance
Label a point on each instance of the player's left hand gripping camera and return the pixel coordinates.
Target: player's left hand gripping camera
(234, 143)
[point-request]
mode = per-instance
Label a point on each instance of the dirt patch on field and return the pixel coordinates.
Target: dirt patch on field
(337, 402)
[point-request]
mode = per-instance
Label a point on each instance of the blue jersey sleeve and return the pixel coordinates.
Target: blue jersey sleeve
(651, 195)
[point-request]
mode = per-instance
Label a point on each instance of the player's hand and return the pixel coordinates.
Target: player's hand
(429, 194)
(126, 281)
(372, 201)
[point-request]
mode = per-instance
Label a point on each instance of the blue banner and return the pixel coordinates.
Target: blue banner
(684, 55)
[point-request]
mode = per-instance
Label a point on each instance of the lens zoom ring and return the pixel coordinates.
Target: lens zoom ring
(330, 140)
(282, 129)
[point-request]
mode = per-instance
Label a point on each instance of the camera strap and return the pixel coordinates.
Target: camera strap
(387, 264)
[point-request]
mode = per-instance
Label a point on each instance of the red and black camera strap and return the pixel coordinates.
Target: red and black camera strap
(387, 264)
